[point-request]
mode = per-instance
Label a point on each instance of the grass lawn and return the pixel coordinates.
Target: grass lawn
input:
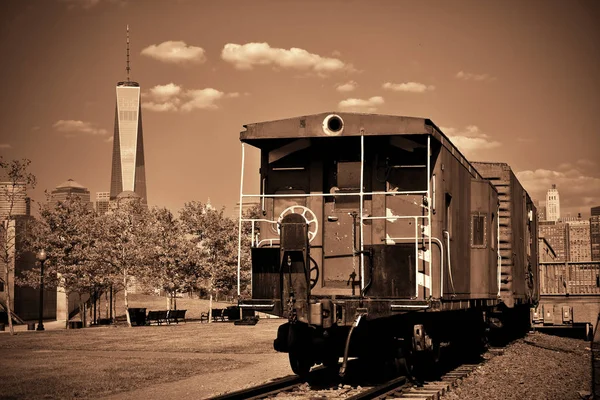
(99, 361)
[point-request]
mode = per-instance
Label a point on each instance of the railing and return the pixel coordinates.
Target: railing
(561, 278)
(424, 235)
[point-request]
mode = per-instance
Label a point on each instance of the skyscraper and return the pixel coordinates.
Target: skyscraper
(595, 233)
(128, 166)
(579, 240)
(102, 202)
(13, 199)
(556, 235)
(552, 204)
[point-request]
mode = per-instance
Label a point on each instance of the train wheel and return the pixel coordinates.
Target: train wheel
(331, 360)
(300, 363)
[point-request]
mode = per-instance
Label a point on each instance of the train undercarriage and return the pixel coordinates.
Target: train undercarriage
(408, 343)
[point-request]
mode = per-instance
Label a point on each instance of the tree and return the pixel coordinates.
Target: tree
(16, 180)
(173, 257)
(217, 239)
(122, 247)
(67, 231)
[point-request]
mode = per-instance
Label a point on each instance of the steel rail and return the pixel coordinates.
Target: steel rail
(262, 391)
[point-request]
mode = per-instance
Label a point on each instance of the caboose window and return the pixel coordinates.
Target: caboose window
(348, 181)
(478, 236)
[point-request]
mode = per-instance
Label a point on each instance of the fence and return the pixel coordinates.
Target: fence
(577, 278)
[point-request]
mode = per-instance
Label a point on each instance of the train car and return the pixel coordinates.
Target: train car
(518, 247)
(378, 239)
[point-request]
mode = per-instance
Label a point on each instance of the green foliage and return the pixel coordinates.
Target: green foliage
(66, 230)
(173, 259)
(217, 238)
(87, 253)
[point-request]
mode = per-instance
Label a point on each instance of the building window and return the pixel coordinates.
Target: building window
(478, 231)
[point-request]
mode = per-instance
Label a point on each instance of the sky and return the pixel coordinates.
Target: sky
(509, 81)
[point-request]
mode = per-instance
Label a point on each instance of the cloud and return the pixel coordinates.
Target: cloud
(247, 56)
(360, 105)
(176, 52)
(164, 92)
(171, 97)
(160, 107)
(467, 76)
(72, 128)
(346, 87)
(5, 146)
(413, 87)
(578, 191)
(203, 99)
(470, 140)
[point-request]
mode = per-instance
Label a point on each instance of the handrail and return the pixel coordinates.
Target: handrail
(439, 242)
(447, 235)
(416, 192)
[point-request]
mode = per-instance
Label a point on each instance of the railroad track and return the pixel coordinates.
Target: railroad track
(323, 385)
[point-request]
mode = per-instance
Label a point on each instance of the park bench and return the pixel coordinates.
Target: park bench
(204, 317)
(175, 316)
(157, 316)
(218, 314)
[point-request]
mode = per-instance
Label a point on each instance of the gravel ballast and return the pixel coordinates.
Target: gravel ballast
(538, 366)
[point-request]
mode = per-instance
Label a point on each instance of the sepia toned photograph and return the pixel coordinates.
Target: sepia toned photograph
(300, 199)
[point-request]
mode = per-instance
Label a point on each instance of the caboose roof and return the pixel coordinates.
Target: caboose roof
(355, 124)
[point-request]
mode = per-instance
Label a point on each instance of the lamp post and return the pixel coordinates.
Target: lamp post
(41, 257)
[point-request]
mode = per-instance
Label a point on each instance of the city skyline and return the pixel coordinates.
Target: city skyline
(512, 82)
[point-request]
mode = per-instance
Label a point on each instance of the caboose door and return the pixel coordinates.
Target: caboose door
(341, 266)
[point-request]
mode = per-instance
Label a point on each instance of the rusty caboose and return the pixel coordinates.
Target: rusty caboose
(378, 238)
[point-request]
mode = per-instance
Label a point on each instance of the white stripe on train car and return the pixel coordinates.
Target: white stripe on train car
(388, 239)
(424, 280)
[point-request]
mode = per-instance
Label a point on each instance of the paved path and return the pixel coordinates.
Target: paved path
(48, 326)
(264, 367)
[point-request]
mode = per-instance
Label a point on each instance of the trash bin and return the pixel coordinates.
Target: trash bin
(137, 316)
(31, 326)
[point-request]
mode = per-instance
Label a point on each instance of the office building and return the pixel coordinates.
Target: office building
(541, 211)
(102, 202)
(128, 166)
(556, 235)
(579, 247)
(72, 189)
(545, 251)
(552, 204)
(13, 200)
(595, 234)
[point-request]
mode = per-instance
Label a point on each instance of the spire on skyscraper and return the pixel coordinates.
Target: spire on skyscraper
(128, 69)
